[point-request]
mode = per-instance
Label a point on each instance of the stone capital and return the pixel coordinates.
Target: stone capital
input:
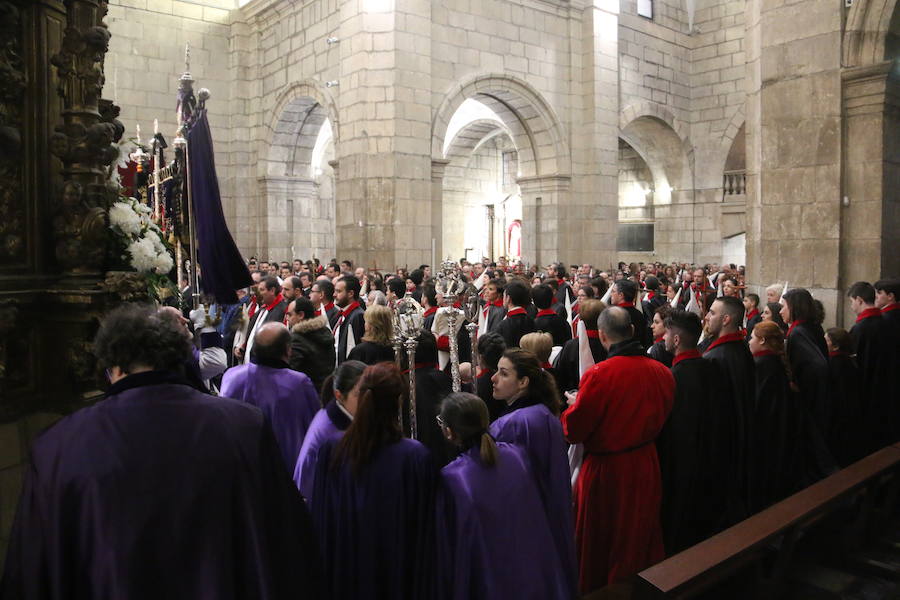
(544, 184)
(438, 166)
(867, 89)
(335, 167)
(302, 187)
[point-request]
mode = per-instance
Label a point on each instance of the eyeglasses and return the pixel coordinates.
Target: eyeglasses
(440, 421)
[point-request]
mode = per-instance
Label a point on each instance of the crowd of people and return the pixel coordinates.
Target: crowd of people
(607, 419)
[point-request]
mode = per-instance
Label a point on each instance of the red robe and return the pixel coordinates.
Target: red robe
(621, 406)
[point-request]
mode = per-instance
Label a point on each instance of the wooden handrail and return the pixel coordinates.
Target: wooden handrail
(711, 561)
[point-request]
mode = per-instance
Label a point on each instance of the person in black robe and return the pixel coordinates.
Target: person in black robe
(887, 298)
(430, 304)
(547, 319)
(772, 312)
(654, 298)
(124, 499)
(567, 366)
(350, 325)
(432, 386)
(729, 350)
(876, 354)
(321, 294)
(785, 446)
(752, 314)
(376, 344)
(807, 355)
(490, 348)
(373, 500)
(846, 437)
(658, 350)
(564, 291)
(624, 294)
(695, 446)
(493, 310)
(516, 297)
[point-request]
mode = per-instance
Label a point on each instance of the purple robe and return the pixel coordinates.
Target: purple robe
(330, 423)
(160, 491)
(377, 527)
(286, 397)
(489, 512)
(532, 427)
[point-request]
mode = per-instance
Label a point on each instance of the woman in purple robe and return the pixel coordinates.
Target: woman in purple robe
(487, 504)
(329, 423)
(532, 423)
(373, 500)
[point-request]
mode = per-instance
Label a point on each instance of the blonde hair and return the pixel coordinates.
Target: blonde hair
(380, 322)
(589, 311)
(540, 343)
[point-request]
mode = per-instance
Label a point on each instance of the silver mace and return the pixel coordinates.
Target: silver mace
(471, 309)
(410, 318)
(449, 285)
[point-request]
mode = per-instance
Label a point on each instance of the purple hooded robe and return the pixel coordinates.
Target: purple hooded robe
(286, 397)
(330, 423)
(485, 512)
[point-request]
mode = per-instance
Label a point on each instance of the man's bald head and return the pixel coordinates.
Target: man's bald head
(272, 343)
(614, 325)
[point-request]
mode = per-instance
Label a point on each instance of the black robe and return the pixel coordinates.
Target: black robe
(751, 323)
(432, 386)
(355, 320)
(371, 353)
(555, 326)
(659, 353)
(696, 461)
(641, 331)
(847, 438)
(484, 389)
(649, 306)
(513, 327)
(876, 355)
(495, 316)
(736, 361)
(565, 367)
(806, 352)
(332, 314)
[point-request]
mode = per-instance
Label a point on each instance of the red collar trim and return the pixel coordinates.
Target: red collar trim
(764, 353)
(793, 324)
(515, 311)
(868, 314)
(498, 303)
(278, 299)
(592, 333)
(546, 312)
(891, 306)
(328, 306)
(838, 353)
(426, 365)
(561, 281)
(752, 314)
(353, 306)
(725, 339)
(659, 339)
(482, 373)
(546, 365)
(650, 295)
(626, 304)
(431, 310)
(685, 356)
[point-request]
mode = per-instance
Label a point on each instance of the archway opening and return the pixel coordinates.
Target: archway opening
(734, 202)
(482, 205)
(299, 183)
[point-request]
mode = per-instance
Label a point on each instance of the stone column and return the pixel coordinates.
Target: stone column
(590, 210)
(870, 217)
(794, 145)
(384, 99)
(545, 227)
(438, 166)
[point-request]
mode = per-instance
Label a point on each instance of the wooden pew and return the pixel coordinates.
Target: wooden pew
(712, 561)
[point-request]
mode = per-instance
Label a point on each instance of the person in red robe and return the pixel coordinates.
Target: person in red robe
(621, 406)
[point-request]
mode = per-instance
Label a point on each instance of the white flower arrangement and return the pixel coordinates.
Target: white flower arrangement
(140, 236)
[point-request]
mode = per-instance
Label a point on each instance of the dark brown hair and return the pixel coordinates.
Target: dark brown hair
(541, 384)
(381, 392)
(467, 416)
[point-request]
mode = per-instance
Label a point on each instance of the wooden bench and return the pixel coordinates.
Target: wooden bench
(712, 561)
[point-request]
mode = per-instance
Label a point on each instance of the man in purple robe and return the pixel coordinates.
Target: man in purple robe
(159, 490)
(286, 397)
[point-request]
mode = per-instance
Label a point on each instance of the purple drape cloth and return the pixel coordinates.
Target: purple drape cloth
(539, 433)
(224, 270)
(160, 491)
(286, 397)
(489, 512)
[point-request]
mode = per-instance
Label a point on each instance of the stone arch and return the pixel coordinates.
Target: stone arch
(290, 136)
(633, 112)
(866, 32)
(663, 149)
(529, 119)
(470, 137)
